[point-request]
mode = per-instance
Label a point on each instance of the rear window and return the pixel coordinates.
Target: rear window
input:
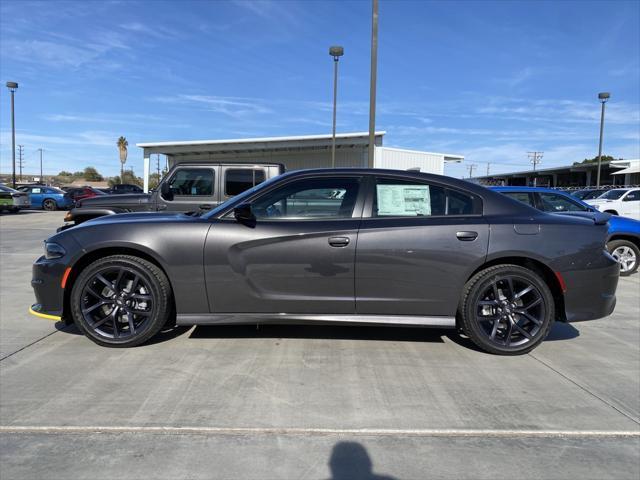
(240, 179)
(408, 198)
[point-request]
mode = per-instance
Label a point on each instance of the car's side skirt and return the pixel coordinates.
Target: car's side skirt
(309, 318)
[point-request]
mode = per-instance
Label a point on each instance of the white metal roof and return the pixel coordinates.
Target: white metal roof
(257, 140)
(632, 166)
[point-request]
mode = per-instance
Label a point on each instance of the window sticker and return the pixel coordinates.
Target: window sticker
(403, 200)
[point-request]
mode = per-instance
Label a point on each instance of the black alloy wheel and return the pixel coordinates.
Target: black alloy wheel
(507, 309)
(121, 300)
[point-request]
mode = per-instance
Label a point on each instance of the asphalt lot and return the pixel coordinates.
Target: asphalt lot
(309, 402)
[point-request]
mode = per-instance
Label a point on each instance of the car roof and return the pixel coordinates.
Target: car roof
(526, 189)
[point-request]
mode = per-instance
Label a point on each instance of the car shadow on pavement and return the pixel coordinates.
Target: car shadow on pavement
(341, 332)
(350, 461)
(559, 331)
(167, 333)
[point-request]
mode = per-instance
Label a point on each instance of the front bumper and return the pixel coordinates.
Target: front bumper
(46, 282)
(591, 293)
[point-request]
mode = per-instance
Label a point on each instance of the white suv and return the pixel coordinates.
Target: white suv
(619, 201)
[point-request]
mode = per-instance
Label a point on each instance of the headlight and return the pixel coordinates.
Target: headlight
(53, 250)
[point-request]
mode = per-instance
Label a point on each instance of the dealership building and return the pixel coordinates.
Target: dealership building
(295, 153)
(612, 173)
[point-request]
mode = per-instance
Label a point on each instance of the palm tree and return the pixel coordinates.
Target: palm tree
(122, 146)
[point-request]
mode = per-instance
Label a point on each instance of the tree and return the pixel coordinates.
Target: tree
(605, 158)
(154, 180)
(127, 177)
(122, 147)
(64, 173)
(92, 175)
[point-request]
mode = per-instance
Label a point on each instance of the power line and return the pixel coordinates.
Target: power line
(470, 167)
(536, 158)
(20, 159)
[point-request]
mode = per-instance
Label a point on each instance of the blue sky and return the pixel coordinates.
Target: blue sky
(488, 80)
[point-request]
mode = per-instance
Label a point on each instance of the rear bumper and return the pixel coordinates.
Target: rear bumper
(591, 294)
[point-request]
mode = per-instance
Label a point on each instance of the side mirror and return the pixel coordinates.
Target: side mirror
(166, 192)
(243, 213)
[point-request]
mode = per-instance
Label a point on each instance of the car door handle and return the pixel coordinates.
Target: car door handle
(205, 206)
(339, 241)
(466, 236)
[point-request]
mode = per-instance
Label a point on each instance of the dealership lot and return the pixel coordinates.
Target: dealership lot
(309, 402)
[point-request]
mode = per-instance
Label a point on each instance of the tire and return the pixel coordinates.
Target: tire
(517, 320)
(627, 254)
(50, 205)
(117, 310)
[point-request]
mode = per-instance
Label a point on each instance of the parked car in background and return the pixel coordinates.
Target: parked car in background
(80, 193)
(187, 187)
(623, 240)
(13, 200)
(122, 188)
(619, 201)
(588, 194)
(47, 198)
(354, 246)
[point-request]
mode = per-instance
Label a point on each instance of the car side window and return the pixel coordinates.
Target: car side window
(553, 202)
(36, 190)
(192, 182)
(632, 196)
(237, 180)
(523, 197)
(408, 198)
(311, 198)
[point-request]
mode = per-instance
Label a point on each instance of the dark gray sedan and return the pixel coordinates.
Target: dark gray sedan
(355, 246)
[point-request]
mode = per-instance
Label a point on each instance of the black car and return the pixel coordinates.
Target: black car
(588, 194)
(122, 188)
(356, 246)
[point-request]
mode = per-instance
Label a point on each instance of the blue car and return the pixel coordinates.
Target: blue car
(47, 198)
(623, 242)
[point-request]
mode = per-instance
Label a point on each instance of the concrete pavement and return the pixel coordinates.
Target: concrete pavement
(418, 390)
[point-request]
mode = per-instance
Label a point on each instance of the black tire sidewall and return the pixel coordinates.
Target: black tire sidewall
(479, 283)
(149, 272)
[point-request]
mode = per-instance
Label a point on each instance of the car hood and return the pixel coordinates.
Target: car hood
(145, 217)
(124, 199)
(598, 201)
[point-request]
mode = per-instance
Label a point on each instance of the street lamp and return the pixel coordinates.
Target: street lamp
(603, 97)
(13, 86)
(336, 52)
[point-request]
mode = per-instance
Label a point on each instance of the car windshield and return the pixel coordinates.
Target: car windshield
(238, 199)
(56, 190)
(4, 188)
(613, 194)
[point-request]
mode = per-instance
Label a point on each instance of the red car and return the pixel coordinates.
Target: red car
(83, 192)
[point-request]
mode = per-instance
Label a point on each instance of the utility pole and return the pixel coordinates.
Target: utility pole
(41, 177)
(20, 159)
(470, 167)
(536, 158)
(372, 86)
(603, 97)
(158, 166)
(13, 86)
(488, 166)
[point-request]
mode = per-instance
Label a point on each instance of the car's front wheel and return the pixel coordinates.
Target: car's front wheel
(506, 309)
(121, 301)
(627, 255)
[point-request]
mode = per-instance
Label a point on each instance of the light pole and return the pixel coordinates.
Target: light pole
(41, 178)
(13, 86)
(372, 84)
(603, 97)
(336, 52)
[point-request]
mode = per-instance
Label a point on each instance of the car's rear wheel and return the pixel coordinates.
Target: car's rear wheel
(627, 255)
(506, 309)
(121, 301)
(50, 205)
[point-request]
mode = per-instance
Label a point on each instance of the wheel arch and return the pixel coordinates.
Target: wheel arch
(611, 211)
(546, 272)
(93, 255)
(624, 236)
